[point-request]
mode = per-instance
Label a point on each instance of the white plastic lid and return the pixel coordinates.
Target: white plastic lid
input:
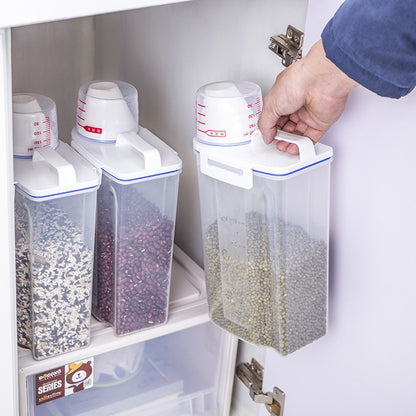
(34, 124)
(227, 112)
(238, 165)
(53, 173)
(106, 109)
(131, 157)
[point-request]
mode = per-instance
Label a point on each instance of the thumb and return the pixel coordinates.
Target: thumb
(267, 124)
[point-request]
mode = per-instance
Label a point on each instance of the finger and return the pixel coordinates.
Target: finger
(290, 127)
(295, 117)
(267, 124)
(268, 134)
(269, 116)
(314, 134)
(301, 128)
(282, 145)
(292, 149)
(282, 121)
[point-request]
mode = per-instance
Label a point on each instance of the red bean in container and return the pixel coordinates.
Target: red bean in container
(134, 243)
(136, 207)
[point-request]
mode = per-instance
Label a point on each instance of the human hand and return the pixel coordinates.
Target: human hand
(306, 99)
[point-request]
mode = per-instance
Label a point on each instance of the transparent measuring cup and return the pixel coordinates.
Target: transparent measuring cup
(34, 124)
(106, 109)
(227, 112)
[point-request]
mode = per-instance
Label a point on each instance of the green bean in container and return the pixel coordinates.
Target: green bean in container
(278, 297)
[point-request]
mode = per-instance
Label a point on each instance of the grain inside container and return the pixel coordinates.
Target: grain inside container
(136, 207)
(55, 199)
(265, 223)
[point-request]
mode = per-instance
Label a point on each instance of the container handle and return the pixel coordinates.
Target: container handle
(150, 154)
(64, 169)
(238, 175)
(305, 144)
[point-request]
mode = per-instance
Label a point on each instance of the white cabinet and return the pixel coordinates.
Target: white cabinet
(20, 13)
(365, 365)
(8, 293)
(166, 51)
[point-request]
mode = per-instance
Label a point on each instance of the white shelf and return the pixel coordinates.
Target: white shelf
(21, 12)
(188, 307)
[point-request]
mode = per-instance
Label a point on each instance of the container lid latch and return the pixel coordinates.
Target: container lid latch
(150, 154)
(64, 170)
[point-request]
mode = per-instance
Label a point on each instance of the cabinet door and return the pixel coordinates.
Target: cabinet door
(365, 365)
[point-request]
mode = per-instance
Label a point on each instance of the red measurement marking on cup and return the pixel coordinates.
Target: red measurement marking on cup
(258, 106)
(202, 115)
(47, 132)
(201, 122)
(90, 129)
(201, 105)
(80, 111)
(249, 133)
(255, 107)
(214, 133)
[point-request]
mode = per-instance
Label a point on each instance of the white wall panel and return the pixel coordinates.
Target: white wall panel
(54, 59)
(169, 52)
(365, 365)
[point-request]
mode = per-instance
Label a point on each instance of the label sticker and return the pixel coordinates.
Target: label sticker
(50, 385)
(63, 381)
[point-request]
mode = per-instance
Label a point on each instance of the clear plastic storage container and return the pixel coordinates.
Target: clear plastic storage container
(136, 207)
(265, 224)
(55, 200)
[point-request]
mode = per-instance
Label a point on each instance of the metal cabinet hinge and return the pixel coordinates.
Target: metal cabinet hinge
(251, 374)
(289, 46)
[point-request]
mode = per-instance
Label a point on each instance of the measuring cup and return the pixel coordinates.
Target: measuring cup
(106, 109)
(227, 112)
(34, 124)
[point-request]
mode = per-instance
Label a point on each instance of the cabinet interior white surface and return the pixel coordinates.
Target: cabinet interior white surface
(167, 52)
(365, 365)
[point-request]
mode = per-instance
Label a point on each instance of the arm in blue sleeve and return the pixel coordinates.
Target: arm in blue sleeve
(374, 43)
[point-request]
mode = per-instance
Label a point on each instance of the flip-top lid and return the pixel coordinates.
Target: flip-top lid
(107, 134)
(53, 173)
(229, 144)
(131, 156)
(237, 165)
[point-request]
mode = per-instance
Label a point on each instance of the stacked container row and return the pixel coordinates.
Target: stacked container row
(94, 222)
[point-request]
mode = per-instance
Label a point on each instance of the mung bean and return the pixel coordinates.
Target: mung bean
(273, 294)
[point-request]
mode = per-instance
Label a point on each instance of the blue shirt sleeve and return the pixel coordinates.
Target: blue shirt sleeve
(374, 43)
